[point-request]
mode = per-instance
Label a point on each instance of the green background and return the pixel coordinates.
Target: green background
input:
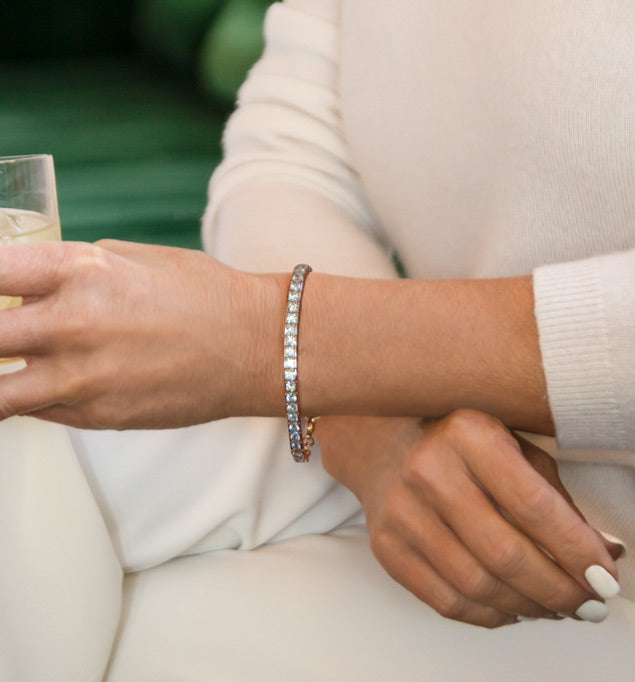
(131, 99)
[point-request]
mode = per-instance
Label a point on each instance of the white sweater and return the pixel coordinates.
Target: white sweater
(476, 140)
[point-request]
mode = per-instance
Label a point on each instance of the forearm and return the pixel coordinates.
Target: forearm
(410, 347)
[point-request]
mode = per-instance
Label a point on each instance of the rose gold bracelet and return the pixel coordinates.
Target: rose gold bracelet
(299, 443)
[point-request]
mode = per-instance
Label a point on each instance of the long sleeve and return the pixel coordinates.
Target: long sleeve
(300, 197)
(586, 317)
(459, 190)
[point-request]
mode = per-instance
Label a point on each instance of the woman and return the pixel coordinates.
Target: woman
(447, 133)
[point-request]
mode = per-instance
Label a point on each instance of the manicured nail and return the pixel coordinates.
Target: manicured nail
(616, 541)
(593, 611)
(602, 582)
(525, 619)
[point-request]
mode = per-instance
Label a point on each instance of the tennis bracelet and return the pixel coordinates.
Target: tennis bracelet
(299, 443)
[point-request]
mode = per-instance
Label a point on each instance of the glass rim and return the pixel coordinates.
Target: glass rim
(24, 157)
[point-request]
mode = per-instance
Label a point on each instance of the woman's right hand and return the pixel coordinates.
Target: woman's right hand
(458, 516)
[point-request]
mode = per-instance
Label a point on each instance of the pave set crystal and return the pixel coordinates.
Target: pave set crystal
(299, 444)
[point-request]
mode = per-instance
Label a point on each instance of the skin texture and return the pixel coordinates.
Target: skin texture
(459, 514)
(119, 335)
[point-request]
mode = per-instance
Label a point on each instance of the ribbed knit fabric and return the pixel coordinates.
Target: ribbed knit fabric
(477, 140)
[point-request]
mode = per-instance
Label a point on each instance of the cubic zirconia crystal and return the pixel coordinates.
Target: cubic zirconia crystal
(292, 318)
(289, 352)
(290, 386)
(292, 398)
(293, 307)
(294, 296)
(291, 329)
(290, 363)
(291, 340)
(291, 374)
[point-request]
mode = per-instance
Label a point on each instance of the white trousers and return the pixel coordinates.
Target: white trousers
(304, 606)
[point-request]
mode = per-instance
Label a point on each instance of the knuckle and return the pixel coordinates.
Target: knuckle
(464, 420)
(394, 514)
(83, 260)
(381, 544)
(498, 621)
(562, 595)
(478, 586)
(107, 244)
(450, 605)
(413, 469)
(96, 416)
(508, 559)
(419, 470)
(461, 426)
(537, 503)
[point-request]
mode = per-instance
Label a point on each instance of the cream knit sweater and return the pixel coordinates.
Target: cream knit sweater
(476, 139)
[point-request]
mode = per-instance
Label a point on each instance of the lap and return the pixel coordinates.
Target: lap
(226, 484)
(319, 608)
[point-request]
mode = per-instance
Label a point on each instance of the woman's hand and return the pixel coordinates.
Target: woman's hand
(459, 517)
(121, 335)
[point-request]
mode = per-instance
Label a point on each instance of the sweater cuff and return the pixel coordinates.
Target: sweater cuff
(583, 335)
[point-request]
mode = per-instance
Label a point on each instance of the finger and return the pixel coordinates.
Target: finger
(511, 556)
(36, 387)
(427, 534)
(542, 512)
(25, 330)
(409, 569)
(547, 467)
(505, 552)
(30, 269)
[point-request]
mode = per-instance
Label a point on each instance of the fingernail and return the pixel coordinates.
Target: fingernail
(525, 619)
(602, 582)
(593, 611)
(616, 541)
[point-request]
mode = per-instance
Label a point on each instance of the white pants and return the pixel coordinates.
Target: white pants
(304, 606)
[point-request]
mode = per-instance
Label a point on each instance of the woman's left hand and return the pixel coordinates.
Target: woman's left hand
(459, 517)
(121, 335)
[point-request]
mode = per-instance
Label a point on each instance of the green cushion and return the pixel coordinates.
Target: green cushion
(234, 41)
(133, 150)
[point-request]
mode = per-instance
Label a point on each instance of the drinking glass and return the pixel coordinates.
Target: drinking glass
(28, 213)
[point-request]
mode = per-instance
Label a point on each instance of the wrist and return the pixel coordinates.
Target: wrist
(259, 389)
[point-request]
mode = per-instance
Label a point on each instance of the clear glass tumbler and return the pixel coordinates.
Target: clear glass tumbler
(28, 213)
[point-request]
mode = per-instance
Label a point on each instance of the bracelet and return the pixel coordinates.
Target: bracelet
(300, 444)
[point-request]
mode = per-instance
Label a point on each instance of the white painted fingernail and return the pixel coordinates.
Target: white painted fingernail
(616, 541)
(602, 582)
(525, 619)
(593, 611)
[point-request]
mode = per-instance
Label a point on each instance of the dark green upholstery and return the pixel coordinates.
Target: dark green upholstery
(134, 130)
